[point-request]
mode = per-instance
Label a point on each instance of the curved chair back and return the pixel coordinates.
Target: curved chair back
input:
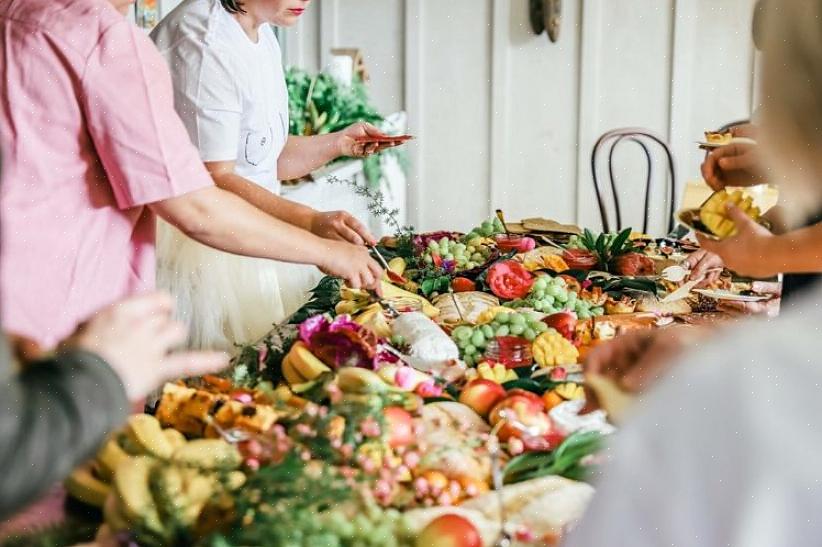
(645, 139)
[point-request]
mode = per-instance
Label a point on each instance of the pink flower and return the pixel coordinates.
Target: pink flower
(525, 535)
(411, 459)
(262, 354)
(421, 487)
(429, 389)
(370, 428)
(404, 378)
(515, 446)
(382, 489)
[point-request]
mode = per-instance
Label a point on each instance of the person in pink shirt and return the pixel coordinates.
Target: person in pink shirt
(93, 150)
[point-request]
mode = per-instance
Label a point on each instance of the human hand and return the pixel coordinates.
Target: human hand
(341, 226)
(636, 360)
(348, 145)
(354, 264)
(736, 164)
(745, 130)
(136, 337)
(24, 349)
(706, 266)
(745, 253)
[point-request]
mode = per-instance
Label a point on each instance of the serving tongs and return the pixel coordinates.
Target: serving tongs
(393, 277)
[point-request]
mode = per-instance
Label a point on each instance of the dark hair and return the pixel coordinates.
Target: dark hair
(233, 6)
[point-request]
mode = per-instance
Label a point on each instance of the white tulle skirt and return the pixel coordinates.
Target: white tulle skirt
(225, 299)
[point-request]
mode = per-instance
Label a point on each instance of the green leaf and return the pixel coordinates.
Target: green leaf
(619, 242)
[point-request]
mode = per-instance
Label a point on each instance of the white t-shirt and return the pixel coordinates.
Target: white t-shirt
(726, 451)
(229, 91)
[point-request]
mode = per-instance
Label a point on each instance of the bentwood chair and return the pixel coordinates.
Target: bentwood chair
(645, 139)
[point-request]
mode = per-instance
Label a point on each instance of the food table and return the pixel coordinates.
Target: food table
(407, 418)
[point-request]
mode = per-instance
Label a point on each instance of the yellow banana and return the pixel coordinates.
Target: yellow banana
(208, 454)
(359, 380)
(145, 431)
(85, 487)
(174, 438)
(305, 363)
(109, 458)
(290, 373)
(374, 318)
(397, 265)
(131, 484)
(390, 292)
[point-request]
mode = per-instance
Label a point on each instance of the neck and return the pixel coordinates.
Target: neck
(249, 22)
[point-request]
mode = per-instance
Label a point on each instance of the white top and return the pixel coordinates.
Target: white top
(229, 91)
(726, 451)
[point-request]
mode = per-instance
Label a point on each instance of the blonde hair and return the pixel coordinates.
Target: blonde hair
(792, 101)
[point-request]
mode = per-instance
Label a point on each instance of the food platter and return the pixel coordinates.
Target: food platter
(408, 406)
(730, 296)
(690, 219)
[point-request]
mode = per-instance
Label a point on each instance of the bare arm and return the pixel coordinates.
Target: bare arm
(222, 220)
(338, 225)
(303, 155)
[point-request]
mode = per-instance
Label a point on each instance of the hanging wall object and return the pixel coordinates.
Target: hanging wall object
(147, 13)
(546, 15)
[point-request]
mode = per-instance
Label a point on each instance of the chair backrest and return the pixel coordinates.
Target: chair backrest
(645, 139)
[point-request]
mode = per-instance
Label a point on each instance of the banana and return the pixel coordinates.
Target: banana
(166, 483)
(374, 318)
(146, 432)
(174, 438)
(109, 458)
(349, 307)
(305, 363)
(131, 484)
(397, 265)
(355, 295)
(360, 380)
(404, 378)
(290, 373)
(113, 516)
(85, 487)
(208, 454)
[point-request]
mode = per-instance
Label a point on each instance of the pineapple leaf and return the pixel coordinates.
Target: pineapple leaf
(618, 247)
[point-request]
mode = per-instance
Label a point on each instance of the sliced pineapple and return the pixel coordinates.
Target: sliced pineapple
(714, 214)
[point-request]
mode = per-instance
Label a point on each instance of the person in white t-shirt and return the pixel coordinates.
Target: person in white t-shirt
(724, 451)
(230, 92)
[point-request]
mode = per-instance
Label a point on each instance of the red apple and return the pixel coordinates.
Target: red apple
(564, 322)
(481, 395)
(449, 531)
(524, 407)
(400, 426)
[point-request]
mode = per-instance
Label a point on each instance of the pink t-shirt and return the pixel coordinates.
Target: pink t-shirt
(89, 136)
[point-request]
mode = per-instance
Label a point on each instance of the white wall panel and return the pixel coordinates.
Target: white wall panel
(506, 119)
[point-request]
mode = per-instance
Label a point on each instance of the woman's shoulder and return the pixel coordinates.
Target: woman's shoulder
(193, 22)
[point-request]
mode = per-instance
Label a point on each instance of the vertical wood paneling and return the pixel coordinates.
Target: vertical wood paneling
(377, 28)
(500, 105)
(415, 106)
(505, 119)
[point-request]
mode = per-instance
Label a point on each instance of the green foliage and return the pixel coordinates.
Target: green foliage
(375, 203)
(318, 105)
(70, 532)
(324, 297)
(565, 461)
(605, 246)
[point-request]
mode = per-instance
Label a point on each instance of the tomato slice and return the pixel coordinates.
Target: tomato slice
(463, 284)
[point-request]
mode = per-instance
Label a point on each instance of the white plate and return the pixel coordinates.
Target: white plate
(732, 297)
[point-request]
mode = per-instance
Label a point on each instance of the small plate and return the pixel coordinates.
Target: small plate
(690, 219)
(717, 294)
(735, 140)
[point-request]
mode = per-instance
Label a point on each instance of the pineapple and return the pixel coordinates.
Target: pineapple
(714, 215)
